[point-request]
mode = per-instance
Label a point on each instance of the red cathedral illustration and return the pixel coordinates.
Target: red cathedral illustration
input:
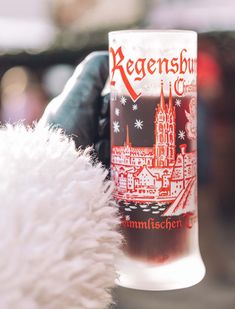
(157, 173)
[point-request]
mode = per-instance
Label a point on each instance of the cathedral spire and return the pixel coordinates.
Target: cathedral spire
(170, 104)
(127, 136)
(162, 100)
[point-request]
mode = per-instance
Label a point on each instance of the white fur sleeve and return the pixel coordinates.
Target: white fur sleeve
(58, 229)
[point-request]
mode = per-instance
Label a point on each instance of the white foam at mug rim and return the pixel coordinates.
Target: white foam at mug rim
(152, 31)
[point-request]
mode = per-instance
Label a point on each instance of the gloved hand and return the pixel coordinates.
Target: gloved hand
(80, 110)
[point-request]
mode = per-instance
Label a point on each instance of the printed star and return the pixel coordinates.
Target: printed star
(139, 124)
(123, 100)
(178, 102)
(128, 218)
(117, 111)
(116, 127)
(181, 134)
(134, 107)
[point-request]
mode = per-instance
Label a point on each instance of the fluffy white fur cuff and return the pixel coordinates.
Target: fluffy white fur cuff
(58, 229)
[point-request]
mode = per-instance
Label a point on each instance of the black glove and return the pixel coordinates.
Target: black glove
(80, 110)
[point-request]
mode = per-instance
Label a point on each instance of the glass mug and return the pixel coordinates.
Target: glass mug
(153, 82)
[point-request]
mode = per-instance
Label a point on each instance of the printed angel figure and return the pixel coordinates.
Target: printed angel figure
(191, 124)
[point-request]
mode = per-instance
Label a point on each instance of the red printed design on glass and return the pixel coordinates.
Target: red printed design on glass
(154, 159)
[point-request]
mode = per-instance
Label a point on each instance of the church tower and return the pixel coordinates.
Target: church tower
(171, 121)
(164, 133)
(160, 134)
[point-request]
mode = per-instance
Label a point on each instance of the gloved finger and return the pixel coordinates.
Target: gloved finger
(77, 108)
(102, 145)
(102, 148)
(105, 109)
(104, 118)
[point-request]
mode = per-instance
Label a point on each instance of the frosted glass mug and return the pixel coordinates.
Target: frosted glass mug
(153, 80)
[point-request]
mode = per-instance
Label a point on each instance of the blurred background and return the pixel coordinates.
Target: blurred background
(41, 42)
